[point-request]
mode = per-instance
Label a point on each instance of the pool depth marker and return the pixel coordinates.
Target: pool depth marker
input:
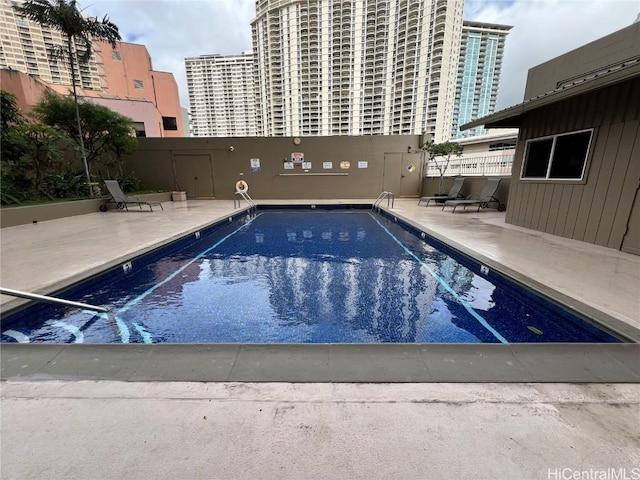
(446, 286)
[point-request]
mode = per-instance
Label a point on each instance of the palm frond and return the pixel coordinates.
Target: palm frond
(56, 52)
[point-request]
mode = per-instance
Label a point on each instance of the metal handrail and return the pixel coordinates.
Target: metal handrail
(388, 195)
(47, 299)
(247, 198)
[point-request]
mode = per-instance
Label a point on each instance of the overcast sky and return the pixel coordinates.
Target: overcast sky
(542, 29)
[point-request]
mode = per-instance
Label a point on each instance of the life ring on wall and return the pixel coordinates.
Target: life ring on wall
(241, 186)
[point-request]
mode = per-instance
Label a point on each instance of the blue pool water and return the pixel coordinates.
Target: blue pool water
(301, 276)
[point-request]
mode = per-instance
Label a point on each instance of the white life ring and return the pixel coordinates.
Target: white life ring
(241, 186)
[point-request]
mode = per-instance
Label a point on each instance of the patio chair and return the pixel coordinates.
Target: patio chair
(484, 199)
(453, 194)
(122, 201)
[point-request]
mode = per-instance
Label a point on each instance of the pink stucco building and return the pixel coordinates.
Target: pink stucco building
(128, 85)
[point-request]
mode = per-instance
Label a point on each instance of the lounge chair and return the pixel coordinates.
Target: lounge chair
(122, 201)
(484, 199)
(453, 194)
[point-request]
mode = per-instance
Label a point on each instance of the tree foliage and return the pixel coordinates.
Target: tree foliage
(38, 153)
(11, 146)
(79, 31)
(44, 146)
(107, 135)
(9, 111)
(440, 156)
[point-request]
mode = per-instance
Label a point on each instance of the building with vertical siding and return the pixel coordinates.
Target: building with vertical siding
(352, 67)
(576, 170)
(481, 52)
(221, 95)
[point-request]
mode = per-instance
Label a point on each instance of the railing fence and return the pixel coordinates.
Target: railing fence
(475, 166)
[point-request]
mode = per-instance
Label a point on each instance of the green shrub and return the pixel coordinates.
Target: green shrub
(65, 184)
(16, 184)
(130, 183)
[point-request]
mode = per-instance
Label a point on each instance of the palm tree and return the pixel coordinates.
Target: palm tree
(65, 17)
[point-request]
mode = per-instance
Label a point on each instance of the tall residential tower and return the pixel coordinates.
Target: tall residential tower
(481, 52)
(221, 95)
(356, 67)
(27, 47)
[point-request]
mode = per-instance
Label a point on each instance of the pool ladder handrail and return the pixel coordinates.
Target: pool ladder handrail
(247, 198)
(388, 195)
(48, 299)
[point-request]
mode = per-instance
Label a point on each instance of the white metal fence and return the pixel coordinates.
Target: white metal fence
(474, 166)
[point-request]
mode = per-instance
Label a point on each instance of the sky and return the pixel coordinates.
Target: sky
(173, 30)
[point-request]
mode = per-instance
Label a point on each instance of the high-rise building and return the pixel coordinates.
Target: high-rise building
(120, 78)
(221, 95)
(27, 47)
(481, 52)
(356, 67)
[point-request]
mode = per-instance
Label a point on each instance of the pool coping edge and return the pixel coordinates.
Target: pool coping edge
(302, 363)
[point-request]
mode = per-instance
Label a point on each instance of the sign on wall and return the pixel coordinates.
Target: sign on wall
(306, 165)
(327, 165)
(255, 164)
(345, 165)
(297, 157)
(288, 165)
(363, 164)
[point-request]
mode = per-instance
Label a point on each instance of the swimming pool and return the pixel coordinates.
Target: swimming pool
(302, 276)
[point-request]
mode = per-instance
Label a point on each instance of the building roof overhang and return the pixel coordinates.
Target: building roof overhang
(512, 116)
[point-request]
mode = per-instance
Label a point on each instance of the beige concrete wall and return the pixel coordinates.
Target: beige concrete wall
(605, 51)
(207, 168)
(12, 216)
(597, 209)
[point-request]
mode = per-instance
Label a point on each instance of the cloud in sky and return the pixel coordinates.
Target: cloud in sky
(542, 29)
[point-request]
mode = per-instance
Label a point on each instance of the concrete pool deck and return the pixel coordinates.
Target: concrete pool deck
(142, 428)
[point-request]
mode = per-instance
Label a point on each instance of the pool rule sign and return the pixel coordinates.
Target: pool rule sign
(297, 158)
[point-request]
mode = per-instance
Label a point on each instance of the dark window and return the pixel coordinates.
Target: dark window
(560, 157)
(116, 55)
(537, 158)
(138, 84)
(569, 155)
(169, 123)
(139, 128)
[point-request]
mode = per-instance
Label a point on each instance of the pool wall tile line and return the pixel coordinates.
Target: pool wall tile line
(473, 260)
(317, 363)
